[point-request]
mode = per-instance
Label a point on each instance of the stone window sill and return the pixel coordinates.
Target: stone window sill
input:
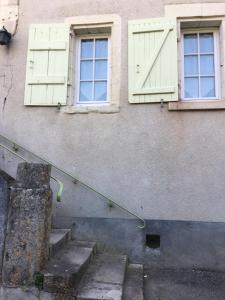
(106, 109)
(196, 105)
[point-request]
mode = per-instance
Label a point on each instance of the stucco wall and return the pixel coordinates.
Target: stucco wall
(160, 164)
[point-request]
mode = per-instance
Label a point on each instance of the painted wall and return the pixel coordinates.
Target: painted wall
(160, 164)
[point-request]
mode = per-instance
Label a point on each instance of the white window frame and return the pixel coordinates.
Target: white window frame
(216, 63)
(78, 40)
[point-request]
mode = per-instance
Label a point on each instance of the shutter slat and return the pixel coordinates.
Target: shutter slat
(57, 45)
(47, 80)
(153, 65)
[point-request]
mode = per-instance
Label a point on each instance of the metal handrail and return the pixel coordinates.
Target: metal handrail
(16, 148)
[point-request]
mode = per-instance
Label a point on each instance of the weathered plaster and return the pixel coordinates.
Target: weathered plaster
(160, 164)
(9, 12)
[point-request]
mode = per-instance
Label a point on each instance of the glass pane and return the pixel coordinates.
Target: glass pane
(101, 91)
(101, 48)
(191, 65)
(87, 48)
(101, 69)
(207, 64)
(85, 91)
(207, 87)
(191, 88)
(190, 43)
(206, 42)
(86, 70)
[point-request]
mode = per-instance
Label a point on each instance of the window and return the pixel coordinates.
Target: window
(200, 65)
(93, 75)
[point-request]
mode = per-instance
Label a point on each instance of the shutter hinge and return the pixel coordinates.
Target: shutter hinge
(59, 106)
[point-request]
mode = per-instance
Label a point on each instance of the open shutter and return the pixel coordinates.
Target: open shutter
(47, 65)
(153, 71)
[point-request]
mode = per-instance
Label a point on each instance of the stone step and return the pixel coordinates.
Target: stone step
(104, 278)
(133, 286)
(64, 271)
(58, 239)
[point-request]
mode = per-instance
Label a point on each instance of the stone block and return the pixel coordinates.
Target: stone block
(5, 182)
(31, 175)
(28, 226)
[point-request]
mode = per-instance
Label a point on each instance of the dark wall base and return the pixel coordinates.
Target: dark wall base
(199, 245)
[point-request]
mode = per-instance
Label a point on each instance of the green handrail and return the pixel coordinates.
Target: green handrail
(16, 147)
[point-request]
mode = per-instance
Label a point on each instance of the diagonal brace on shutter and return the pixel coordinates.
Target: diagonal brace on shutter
(151, 63)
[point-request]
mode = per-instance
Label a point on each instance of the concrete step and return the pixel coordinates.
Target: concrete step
(104, 279)
(58, 239)
(133, 286)
(65, 269)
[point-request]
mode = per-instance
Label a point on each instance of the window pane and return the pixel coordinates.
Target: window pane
(206, 42)
(87, 48)
(101, 69)
(86, 70)
(190, 43)
(85, 91)
(207, 64)
(101, 91)
(207, 87)
(191, 65)
(101, 48)
(191, 88)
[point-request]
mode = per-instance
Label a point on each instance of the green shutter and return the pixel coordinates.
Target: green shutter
(47, 65)
(153, 70)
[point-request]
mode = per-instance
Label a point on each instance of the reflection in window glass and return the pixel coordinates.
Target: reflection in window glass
(191, 65)
(191, 87)
(100, 90)
(206, 42)
(207, 87)
(87, 48)
(190, 44)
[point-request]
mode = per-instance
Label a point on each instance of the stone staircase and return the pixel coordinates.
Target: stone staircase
(76, 271)
(66, 269)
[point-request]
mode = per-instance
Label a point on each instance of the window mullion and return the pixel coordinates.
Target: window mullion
(93, 74)
(215, 64)
(199, 78)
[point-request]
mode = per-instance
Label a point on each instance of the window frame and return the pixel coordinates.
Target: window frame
(108, 24)
(215, 32)
(77, 54)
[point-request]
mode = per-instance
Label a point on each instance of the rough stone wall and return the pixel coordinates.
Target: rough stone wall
(26, 237)
(5, 182)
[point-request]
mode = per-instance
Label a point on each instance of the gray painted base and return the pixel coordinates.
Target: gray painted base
(194, 245)
(183, 284)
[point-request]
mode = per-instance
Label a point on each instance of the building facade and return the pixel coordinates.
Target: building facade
(129, 98)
